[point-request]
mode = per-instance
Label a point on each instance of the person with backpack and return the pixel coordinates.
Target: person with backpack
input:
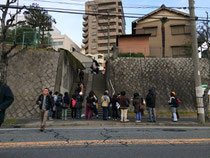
(173, 102)
(105, 103)
(66, 102)
(44, 102)
(138, 106)
(59, 104)
(150, 102)
(78, 105)
(72, 105)
(6, 99)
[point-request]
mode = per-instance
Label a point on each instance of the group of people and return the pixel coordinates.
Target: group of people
(55, 106)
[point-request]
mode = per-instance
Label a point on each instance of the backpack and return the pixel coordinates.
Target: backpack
(73, 103)
(176, 102)
(58, 101)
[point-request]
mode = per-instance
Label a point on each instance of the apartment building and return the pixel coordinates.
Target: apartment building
(102, 17)
(170, 32)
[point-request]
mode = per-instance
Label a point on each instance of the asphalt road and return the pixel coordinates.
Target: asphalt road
(104, 142)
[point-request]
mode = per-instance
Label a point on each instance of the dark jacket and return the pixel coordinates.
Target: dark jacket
(122, 101)
(48, 101)
(137, 101)
(79, 101)
(150, 99)
(114, 103)
(6, 99)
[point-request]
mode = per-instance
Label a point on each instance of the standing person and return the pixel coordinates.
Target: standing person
(78, 105)
(150, 102)
(105, 103)
(124, 104)
(44, 102)
(115, 107)
(72, 105)
(95, 104)
(55, 96)
(59, 103)
(66, 102)
(52, 106)
(6, 99)
(173, 105)
(89, 106)
(138, 103)
(109, 106)
(81, 76)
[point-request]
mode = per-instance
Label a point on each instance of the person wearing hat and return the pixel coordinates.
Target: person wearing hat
(173, 105)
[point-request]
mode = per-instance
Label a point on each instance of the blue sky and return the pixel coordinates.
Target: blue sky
(71, 24)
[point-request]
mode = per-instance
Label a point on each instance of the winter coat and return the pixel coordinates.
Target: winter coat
(136, 103)
(114, 102)
(48, 101)
(6, 99)
(150, 99)
(79, 101)
(173, 102)
(122, 101)
(105, 101)
(66, 102)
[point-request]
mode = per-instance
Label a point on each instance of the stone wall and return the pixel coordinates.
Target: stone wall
(161, 74)
(30, 72)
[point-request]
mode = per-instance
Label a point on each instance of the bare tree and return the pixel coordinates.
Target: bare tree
(7, 22)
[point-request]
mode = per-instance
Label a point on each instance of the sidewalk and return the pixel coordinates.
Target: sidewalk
(161, 121)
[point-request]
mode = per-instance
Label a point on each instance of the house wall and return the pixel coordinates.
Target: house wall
(170, 40)
(134, 45)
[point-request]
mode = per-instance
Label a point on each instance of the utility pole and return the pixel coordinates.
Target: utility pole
(197, 77)
(108, 34)
(16, 20)
(207, 34)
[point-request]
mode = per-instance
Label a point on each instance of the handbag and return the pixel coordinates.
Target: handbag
(141, 107)
(126, 103)
(117, 105)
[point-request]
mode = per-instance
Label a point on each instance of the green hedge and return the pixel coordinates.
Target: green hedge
(138, 55)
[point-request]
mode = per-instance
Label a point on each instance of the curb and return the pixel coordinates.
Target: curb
(104, 124)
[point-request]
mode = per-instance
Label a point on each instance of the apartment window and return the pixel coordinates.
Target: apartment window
(148, 30)
(94, 20)
(93, 33)
(151, 30)
(119, 10)
(180, 29)
(181, 51)
(94, 27)
(93, 47)
(94, 40)
(58, 43)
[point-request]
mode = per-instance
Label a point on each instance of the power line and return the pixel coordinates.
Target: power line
(137, 6)
(69, 11)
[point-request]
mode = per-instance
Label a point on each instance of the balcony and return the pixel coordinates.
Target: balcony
(85, 35)
(106, 41)
(86, 47)
(85, 17)
(85, 41)
(85, 29)
(105, 21)
(105, 48)
(106, 33)
(85, 23)
(106, 27)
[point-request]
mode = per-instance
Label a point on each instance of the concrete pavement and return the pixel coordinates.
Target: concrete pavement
(163, 121)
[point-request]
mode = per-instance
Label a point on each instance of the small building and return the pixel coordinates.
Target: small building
(170, 32)
(138, 43)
